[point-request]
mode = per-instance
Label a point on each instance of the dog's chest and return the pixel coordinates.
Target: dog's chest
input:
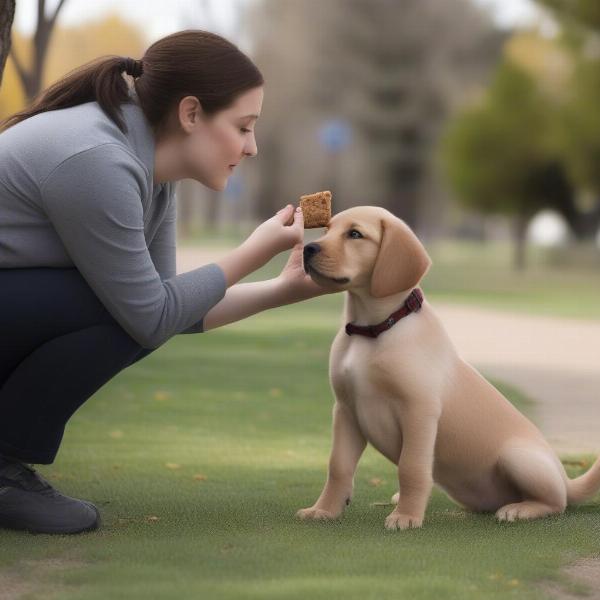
(356, 379)
(353, 371)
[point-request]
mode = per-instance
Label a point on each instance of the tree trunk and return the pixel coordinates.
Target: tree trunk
(520, 223)
(32, 79)
(7, 15)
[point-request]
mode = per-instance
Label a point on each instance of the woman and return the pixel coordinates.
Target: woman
(88, 284)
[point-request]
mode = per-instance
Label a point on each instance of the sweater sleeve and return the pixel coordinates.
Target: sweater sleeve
(94, 201)
(163, 248)
(163, 251)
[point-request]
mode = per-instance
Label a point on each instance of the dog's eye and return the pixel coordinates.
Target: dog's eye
(355, 235)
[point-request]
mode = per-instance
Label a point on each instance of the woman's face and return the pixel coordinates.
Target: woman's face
(215, 145)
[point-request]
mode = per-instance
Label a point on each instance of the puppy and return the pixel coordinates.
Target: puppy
(403, 388)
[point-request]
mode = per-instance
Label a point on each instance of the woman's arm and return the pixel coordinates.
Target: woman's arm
(266, 241)
(246, 299)
(243, 300)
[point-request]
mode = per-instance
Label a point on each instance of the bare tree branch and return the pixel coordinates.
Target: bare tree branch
(32, 78)
(7, 15)
(55, 15)
(19, 66)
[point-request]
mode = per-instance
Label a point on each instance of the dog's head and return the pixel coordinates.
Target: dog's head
(367, 248)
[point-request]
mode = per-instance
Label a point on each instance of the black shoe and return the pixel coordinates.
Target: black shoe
(28, 502)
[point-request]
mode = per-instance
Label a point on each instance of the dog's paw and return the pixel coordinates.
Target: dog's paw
(396, 520)
(522, 511)
(511, 512)
(317, 514)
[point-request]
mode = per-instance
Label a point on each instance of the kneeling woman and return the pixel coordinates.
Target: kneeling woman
(88, 283)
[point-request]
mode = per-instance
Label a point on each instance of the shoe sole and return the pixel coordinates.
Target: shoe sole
(54, 530)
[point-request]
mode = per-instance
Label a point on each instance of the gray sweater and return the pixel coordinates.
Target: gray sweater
(76, 191)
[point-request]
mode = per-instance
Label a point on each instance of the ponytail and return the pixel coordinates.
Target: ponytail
(99, 80)
(187, 63)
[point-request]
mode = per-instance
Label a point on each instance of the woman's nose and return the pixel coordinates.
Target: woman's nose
(251, 148)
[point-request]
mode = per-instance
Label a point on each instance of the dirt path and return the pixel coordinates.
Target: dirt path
(556, 361)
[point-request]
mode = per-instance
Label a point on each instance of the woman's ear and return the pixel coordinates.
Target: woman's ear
(402, 260)
(189, 112)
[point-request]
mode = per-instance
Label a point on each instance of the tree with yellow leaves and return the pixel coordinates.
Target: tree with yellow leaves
(70, 48)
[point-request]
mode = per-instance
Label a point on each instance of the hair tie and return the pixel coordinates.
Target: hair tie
(133, 67)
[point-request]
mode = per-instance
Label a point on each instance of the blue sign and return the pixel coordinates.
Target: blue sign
(335, 135)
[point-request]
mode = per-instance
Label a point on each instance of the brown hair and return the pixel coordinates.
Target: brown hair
(187, 63)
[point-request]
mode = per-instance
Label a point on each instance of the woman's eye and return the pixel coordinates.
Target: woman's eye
(244, 130)
(355, 235)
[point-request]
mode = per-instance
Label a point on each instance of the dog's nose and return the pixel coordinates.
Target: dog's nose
(309, 251)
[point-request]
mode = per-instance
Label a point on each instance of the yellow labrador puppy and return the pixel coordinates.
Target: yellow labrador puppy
(400, 385)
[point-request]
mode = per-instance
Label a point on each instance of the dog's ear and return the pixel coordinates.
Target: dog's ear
(401, 262)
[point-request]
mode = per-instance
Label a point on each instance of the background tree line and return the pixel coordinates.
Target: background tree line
(532, 141)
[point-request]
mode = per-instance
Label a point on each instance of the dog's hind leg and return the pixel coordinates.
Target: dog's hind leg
(539, 478)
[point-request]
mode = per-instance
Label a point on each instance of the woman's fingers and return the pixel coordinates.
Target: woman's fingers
(294, 219)
(299, 218)
(287, 217)
(285, 214)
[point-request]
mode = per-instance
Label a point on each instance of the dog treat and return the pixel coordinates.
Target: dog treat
(316, 209)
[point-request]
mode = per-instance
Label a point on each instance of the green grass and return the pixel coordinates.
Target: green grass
(482, 275)
(248, 409)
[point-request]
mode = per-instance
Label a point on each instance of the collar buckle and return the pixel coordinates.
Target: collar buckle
(415, 301)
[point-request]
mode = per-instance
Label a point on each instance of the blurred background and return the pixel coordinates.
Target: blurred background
(475, 121)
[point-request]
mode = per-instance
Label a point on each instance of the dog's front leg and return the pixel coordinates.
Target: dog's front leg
(348, 445)
(415, 471)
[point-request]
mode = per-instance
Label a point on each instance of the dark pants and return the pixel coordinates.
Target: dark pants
(58, 345)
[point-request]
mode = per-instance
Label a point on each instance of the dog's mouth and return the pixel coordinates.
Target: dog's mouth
(312, 271)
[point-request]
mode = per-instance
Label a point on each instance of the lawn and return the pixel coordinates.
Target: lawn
(563, 283)
(198, 458)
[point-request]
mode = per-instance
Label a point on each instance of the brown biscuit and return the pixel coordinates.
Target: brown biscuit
(316, 209)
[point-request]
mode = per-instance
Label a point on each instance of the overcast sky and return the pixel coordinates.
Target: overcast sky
(158, 18)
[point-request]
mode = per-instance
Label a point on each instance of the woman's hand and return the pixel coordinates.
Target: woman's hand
(296, 284)
(275, 235)
(268, 239)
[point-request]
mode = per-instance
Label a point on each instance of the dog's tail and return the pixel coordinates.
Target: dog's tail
(584, 487)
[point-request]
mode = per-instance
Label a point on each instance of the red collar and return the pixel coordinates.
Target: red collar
(413, 304)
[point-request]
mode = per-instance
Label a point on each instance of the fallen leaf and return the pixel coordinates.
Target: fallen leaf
(275, 392)
(116, 434)
(200, 477)
(376, 482)
(172, 466)
(161, 395)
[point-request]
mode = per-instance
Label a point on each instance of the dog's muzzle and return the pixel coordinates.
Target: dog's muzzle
(309, 251)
